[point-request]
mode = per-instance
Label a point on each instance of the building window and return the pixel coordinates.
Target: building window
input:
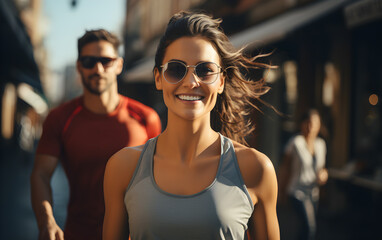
(290, 72)
(330, 84)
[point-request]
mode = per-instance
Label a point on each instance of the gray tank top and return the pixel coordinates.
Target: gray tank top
(221, 211)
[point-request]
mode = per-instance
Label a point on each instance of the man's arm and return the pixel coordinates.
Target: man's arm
(41, 194)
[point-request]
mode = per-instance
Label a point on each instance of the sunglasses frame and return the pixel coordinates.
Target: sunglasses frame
(164, 68)
(105, 61)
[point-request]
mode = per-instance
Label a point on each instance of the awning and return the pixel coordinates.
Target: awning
(261, 34)
(279, 27)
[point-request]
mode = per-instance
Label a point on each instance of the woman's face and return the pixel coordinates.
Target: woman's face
(190, 98)
(312, 125)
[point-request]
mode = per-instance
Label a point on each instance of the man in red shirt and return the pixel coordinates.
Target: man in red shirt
(83, 134)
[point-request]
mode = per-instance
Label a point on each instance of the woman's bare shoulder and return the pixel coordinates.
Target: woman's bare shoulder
(122, 164)
(126, 156)
(250, 157)
(256, 168)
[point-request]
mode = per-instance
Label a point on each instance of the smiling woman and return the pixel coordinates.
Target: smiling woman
(190, 93)
(192, 182)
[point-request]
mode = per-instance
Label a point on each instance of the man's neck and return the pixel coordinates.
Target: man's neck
(101, 104)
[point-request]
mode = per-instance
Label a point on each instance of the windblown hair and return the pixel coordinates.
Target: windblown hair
(231, 115)
(95, 36)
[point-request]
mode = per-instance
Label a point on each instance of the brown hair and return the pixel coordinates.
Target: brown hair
(95, 36)
(231, 113)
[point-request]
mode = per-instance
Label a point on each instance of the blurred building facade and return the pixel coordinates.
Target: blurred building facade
(328, 53)
(23, 72)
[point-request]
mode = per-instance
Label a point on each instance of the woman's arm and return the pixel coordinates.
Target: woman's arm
(260, 178)
(119, 171)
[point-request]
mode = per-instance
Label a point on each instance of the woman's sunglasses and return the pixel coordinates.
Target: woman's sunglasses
(175, 71)
(89, 62)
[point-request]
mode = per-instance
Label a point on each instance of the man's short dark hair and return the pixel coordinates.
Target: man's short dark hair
(98, 35)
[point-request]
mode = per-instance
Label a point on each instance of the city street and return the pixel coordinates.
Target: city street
(17, 217)
(321, 55)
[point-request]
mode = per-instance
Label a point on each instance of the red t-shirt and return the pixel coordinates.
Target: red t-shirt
(84, 141)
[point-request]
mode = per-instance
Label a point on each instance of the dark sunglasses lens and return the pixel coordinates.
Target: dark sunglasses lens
(105, 61)
(207, 71)
(175, 72)
(89, 62)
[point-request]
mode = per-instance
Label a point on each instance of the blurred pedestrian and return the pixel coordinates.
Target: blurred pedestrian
(303, 170)
(191, 182)
(83, 134)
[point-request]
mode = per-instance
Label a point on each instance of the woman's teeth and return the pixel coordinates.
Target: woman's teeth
(189, 98)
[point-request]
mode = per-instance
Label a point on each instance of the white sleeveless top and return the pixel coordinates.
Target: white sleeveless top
(305, 166)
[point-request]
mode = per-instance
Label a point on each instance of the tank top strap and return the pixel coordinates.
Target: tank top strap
(230, 171)
(144, 165)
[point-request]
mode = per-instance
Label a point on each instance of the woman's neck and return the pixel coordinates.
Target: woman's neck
(186, 140)
(310, 139)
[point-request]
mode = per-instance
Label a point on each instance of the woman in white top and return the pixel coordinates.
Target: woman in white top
(303, 171)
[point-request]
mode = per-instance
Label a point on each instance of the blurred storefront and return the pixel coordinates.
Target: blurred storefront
(22, 68)
(22, 108)
(328, 53)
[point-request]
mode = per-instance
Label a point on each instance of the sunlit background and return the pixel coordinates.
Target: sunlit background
(328, 54)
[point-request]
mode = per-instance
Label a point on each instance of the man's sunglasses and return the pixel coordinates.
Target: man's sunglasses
(206, 72)
(89, 62)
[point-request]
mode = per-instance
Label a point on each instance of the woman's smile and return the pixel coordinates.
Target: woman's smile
(186, 97)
